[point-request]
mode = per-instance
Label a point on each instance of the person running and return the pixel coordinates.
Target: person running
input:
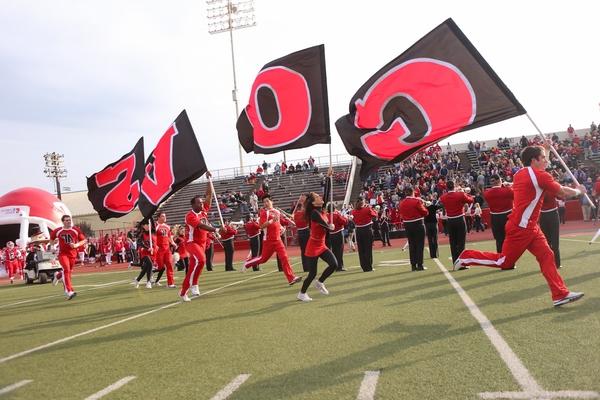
(531, 183)
(315, 248)
(164, 258)
(196, 230)
(302, 229)
(271, 220)
(69, 238)
(146, 246)
(252, 229)
(11, 260)
(363, 216)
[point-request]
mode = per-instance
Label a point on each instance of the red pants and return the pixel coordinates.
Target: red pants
(164, 259)
(67, 263)
(11, 267)
(516, 242)
(197, 262)
(268, 248)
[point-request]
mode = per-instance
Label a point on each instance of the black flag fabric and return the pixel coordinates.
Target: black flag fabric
(175, 161)
(115, 191)
(288, 107)
(438, 87)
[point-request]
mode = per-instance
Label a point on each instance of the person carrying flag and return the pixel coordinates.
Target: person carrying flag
(522, 231)
(272, 220)
(69, 238)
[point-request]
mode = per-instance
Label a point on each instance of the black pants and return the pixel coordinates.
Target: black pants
(415, 233)
(303, 236)
(478, 223)
(255, 249)
(561, 214)
(385, 234)
(550, 225)
(431, 228)
(469, 223)
(146, 264)
(209, 252)
(183, 264)
(120, 258)
(332, 265)
(457, 230)
(335, 242)
(364, 243)
(228, 248)
(498, 222)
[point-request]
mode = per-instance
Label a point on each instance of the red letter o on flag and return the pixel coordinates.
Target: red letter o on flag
(439, 91)
(293, 106)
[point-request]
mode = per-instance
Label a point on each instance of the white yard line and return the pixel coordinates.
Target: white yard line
(231, 387)
(101, 286)
(561, 394)
(121, 321)
(578, 240)
(530, 387)
(14, 386)
(368, 386)
(118, 384)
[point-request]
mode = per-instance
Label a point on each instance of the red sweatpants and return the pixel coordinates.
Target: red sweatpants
(164, 259)
(11, 267)
(197, 262)
(516, 242)
(268, 248)
(67, 263)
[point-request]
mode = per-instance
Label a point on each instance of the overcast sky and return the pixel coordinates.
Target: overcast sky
(88, 78)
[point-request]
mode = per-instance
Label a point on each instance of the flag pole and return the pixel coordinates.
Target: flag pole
(150, 230)
(216, 201)
(560, 159)
(330, 185)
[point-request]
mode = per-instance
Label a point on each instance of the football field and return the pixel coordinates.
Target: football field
(389, 334)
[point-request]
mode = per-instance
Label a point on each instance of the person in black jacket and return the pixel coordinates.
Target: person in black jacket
(384, 227)
(145, 246)
(431, 224)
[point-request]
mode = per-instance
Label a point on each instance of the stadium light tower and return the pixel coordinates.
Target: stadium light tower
(225, 16)
(55, 169)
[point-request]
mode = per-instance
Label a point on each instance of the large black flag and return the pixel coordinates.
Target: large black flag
(114, 191)
(438, 87)
(288, 106)
(175, 161)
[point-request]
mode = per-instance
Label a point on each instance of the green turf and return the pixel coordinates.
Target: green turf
(413, 327)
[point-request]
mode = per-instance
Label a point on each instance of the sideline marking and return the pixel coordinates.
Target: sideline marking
(530, 387)
(231, 387)
(121, 321)
(14, 386)
(368, 386)
(111, 388)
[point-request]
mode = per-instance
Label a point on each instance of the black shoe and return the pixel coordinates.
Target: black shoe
(209, 269)
(413, 268)
(422, 268)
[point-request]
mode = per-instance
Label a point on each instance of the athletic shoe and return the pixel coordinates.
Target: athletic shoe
(185, 298)
(195, 291)
(457, 265)
(321, 287)
(12, 280)
(137, 284)
(71, 295)
(571, 297)
(243, 269)
(303, 297)
(171, 286)
(148, 285)
(421, 268)
(157, 283)
(295, 280)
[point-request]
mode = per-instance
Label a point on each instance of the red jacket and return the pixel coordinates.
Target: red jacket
(252, 229)
(339, 221)
(454, 203)
(412, 209)
(499, 198)
(228, 233)
(363, 216)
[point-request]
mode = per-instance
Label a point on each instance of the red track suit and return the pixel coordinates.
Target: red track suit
(273, 243)
(523, 232)
(164, 258)
(11, 261)
(66, 255)
(195, 246)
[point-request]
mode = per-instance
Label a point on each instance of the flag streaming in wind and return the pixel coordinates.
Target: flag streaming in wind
(114, 191)
(288, 106)
(438, 87)
(175, 161)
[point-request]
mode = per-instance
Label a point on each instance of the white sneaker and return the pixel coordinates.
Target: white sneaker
(157, 283)
(148, 285)
(137, 284)
(56, 278)
(243, 269)
(185, 298)
(303, 297)
(321, 287)
(571, 297)
(195, 291)
(171, 286)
